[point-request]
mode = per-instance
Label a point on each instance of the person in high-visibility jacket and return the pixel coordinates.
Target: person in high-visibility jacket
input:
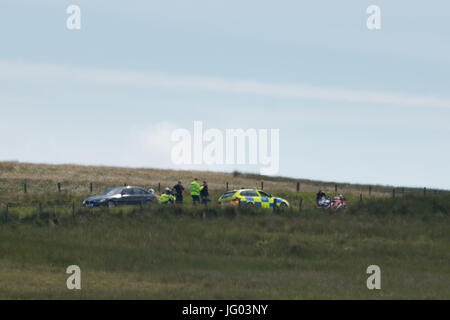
(194, 188)
(166, 197)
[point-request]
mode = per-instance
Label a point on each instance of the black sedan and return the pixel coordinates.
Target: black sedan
(120, 196)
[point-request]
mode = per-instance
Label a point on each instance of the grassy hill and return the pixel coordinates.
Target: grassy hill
(182, 252)
(77, 179)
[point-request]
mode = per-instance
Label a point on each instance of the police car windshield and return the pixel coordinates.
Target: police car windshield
(228, 194)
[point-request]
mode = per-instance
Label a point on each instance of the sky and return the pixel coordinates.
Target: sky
(351, 104)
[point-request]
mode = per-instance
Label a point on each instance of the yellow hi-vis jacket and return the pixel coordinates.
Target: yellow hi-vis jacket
(194, 188)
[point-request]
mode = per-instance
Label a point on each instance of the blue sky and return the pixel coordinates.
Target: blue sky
(375, 108)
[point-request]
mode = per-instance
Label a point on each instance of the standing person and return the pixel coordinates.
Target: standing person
(179, 190)
(204, 193)
(194, 188)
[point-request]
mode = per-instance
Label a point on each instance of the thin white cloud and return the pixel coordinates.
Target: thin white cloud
(115, 77)
(154, 138)
(150, 146)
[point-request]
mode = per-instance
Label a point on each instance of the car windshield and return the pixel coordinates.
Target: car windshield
(112, 191)
(227, 194)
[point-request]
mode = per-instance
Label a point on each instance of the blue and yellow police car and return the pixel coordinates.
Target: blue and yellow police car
(251, 198)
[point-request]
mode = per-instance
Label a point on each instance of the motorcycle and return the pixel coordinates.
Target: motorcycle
(332, 204)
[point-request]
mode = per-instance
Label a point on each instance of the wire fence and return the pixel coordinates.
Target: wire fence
(298, 197)
(299, 187)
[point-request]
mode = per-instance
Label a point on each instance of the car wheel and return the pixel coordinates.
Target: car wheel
(111, 204)
(284, 205)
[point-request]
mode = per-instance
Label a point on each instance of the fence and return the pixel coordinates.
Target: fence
(52, 211)
(297, 186)
(364, 192)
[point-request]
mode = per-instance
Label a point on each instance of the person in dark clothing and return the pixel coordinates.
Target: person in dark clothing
(320, 195)
(321, 199)
(179, 190)
(204, 193)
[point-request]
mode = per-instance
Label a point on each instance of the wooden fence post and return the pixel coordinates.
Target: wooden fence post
(6, 214)
(424, 191)
(298, 186)
(59, 186)
(393, 193)
(227, 186)
(262, 185)
(90, 187)
(25, 187)
(360, 200)
(300, 205)
(40, 209)
(370, 190)
(159, 186)
(73, 210)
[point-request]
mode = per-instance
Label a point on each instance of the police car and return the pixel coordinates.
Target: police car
(251, 198)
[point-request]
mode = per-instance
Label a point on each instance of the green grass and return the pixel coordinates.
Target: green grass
(160, 252)
(184, 252)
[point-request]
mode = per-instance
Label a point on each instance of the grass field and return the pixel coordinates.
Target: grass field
(76, 179)
(158, 252)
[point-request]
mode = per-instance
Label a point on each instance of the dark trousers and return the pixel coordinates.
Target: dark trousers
(195, 199)
(179, 199)
(205, 199)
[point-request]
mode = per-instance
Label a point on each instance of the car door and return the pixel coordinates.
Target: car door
(141, 195)
(126, 196)
(137, 196)
(253, 197)
(243, 197)
(266, 199)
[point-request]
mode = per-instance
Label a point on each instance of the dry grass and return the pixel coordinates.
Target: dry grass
(77, 179)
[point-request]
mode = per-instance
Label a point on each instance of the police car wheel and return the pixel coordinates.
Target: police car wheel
(111, 204)
(284, 205)
(248, 204)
